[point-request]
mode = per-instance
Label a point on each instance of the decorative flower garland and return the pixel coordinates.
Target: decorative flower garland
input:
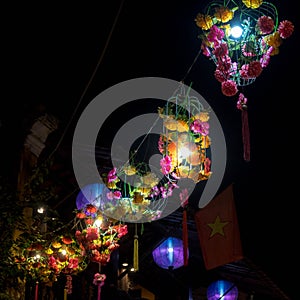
(97, 234)
(141, 201)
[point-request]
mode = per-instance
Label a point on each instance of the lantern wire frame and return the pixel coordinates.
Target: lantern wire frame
(250, 46)
(187, 148)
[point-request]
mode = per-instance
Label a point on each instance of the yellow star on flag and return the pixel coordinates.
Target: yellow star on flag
(217, 226)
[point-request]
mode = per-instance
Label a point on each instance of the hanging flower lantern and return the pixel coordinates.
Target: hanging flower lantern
(185, 140)
(240, 37)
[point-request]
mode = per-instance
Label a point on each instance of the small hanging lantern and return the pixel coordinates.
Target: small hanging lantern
(169, 254)
(222, 290)
(240, 37)
(185, 140)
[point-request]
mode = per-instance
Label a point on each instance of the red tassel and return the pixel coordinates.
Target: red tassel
(185, 237)
(246, 134)
(36, 295)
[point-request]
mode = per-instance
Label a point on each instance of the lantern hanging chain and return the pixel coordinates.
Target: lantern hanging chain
(174, 93)
(191, 66)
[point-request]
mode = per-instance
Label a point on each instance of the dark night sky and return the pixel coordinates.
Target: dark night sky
(51, 52)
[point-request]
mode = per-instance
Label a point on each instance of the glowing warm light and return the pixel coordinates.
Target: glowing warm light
(63, 252)
(236, 32)
(98, 222)
(40, 210)
(184, 152)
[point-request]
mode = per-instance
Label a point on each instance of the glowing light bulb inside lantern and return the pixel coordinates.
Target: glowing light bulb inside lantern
(37, 257)
(170, 252)
(98, 222)
(40, 210)
(63, 252)
(236, 31)
(184, 152)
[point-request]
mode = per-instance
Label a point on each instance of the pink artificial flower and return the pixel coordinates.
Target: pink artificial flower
(265, 24)
(221, 50)
(215, 35)
(198, 126)
(78, 236)
(110, 195)
(285, 29)
(161, 145)
(52, 262)
(164, 192)
(229, 88)
(92, 234)
(242, 101)
(244, 71)
(111, 176)
(205, 50)
(220, 76)
(122, 230)
(154, 191)
(73, 263)
(117, 195)
(265, 59)
(254, 69)
(99, 279)
(224, 64)
(166, 164)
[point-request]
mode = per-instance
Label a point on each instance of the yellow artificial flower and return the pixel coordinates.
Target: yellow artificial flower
(97, 243)
(112, 185)
(203, 116)
(70, 251)
(182, 126)
(150, 179)
(253, 3)
(170, 123)
(56, 245)
(49, 251)
(274, 40)
(129, 170)
(205, 141)
(205, 22)
(223, 14)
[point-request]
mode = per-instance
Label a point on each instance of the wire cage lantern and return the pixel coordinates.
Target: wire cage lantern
(185, 142)
(240, 37)
(169, 254)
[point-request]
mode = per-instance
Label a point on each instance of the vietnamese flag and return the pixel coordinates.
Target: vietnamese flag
(218, 231)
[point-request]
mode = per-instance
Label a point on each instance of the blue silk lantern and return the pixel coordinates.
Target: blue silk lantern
(94, 194)
(222, 290)
(169, 254)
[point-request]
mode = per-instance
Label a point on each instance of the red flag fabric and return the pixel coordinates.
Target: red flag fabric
(218, 231)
